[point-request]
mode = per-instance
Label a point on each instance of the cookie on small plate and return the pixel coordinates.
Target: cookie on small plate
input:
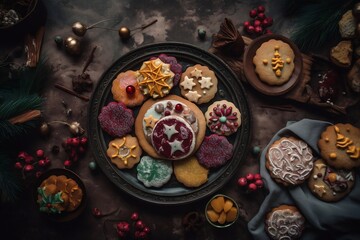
(339, 146)
(289, 161)
(284, 222)
(124, 152)
(198, 84)
(223, 118)
(190, 172)
(329, 184)
(154, 172)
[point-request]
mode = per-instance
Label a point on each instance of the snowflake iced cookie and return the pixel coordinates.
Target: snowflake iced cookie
(223, 118)
(170, 128)
(154, 172)
(155, 78)
(125, 88)
(124, 152)
(198, 84)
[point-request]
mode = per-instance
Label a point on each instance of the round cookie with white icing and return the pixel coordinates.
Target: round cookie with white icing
(198, 84)
(155, 78)
(223, 118)
(289, 161)
(154, 172)
(274, 62)
(124, 152)
(329, 184)
(284, 222)
(152, 111)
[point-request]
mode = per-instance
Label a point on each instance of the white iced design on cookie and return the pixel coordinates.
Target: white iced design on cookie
(285, 224)
(193, 96)
(205, 82)
(188, 83)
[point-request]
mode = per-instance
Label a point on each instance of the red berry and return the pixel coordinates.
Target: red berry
(257, 176)
(18, 165)
(270, 21)
(257, 23)
(142, 235)
(75, 142)
(250, 29)
(258, 29)
(134, 216)
(96, 212)
(40, 153)
(268, 31)
(242, 182)
(68, 141)
(259, 183)
(246, 24)
(250, 177)
(178, 108)
(67, 163)
(252, 187)
(38, 174)
(123, 227)
(28, 168)
(146, 230)
(261, 16)
(22, 155)
(42, 163)
(29, 159)
(253, 13)
(139, 225)
(167, 113)
(261, 9)
(83, 141)
(47, 161)
(130, 90)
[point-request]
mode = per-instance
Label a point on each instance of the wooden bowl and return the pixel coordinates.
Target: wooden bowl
(253, 78)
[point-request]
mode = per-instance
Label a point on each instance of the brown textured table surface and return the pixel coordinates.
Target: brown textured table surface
(176, 21)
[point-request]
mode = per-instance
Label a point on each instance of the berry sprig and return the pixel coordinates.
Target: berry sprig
(29, 164)
(75, 148)
(251, 182)
(259, 23)
(140, 230)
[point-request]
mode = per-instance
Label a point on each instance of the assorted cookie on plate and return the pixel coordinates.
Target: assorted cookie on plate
(154, 172)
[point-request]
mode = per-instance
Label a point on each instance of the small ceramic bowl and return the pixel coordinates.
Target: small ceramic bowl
(221, 211)
(63, 216)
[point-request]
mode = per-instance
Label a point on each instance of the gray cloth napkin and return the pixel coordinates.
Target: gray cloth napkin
(340, 220)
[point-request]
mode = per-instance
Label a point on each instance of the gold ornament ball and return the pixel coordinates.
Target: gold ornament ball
(72, 46)
(79, 29)
(124, 33)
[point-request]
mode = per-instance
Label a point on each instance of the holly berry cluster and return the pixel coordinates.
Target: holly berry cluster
(29, 164)
(259, 23)
(141, 231)
(75, 148)
(251, 182)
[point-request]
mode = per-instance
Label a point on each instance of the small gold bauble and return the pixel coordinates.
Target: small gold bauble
(79, 29)
(124, 33)
(72, 46)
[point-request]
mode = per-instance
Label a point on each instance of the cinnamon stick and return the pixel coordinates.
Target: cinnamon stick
(27, 116)
(67, 90)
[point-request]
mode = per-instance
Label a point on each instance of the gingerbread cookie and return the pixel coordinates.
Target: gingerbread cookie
(124, 152)
(274, 62)
(171, 118)
(175, 67)
(289, 161)
(339, 146)
(329, 184)
(155, 78)
(190, 173)
(284, 222)
(116, 119)
(214, 151)
(125, 88)
(154, 172)
(223, 118)
(198, 84)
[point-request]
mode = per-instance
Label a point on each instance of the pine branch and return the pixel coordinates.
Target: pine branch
(12, 107)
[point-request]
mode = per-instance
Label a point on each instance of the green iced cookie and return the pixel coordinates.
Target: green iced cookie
(154, 172)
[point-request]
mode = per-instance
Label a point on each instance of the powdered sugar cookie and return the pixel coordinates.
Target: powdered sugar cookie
(116, 119)
(154, 172)
(214, 151)
(124, 152)
(190, 173)
(289, 161)
(223, 118)
(198, 84)
(125, 88)
(155, 78)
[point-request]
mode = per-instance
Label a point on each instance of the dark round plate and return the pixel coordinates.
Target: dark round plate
(172, 192)
(64, 216)
(253, 78)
